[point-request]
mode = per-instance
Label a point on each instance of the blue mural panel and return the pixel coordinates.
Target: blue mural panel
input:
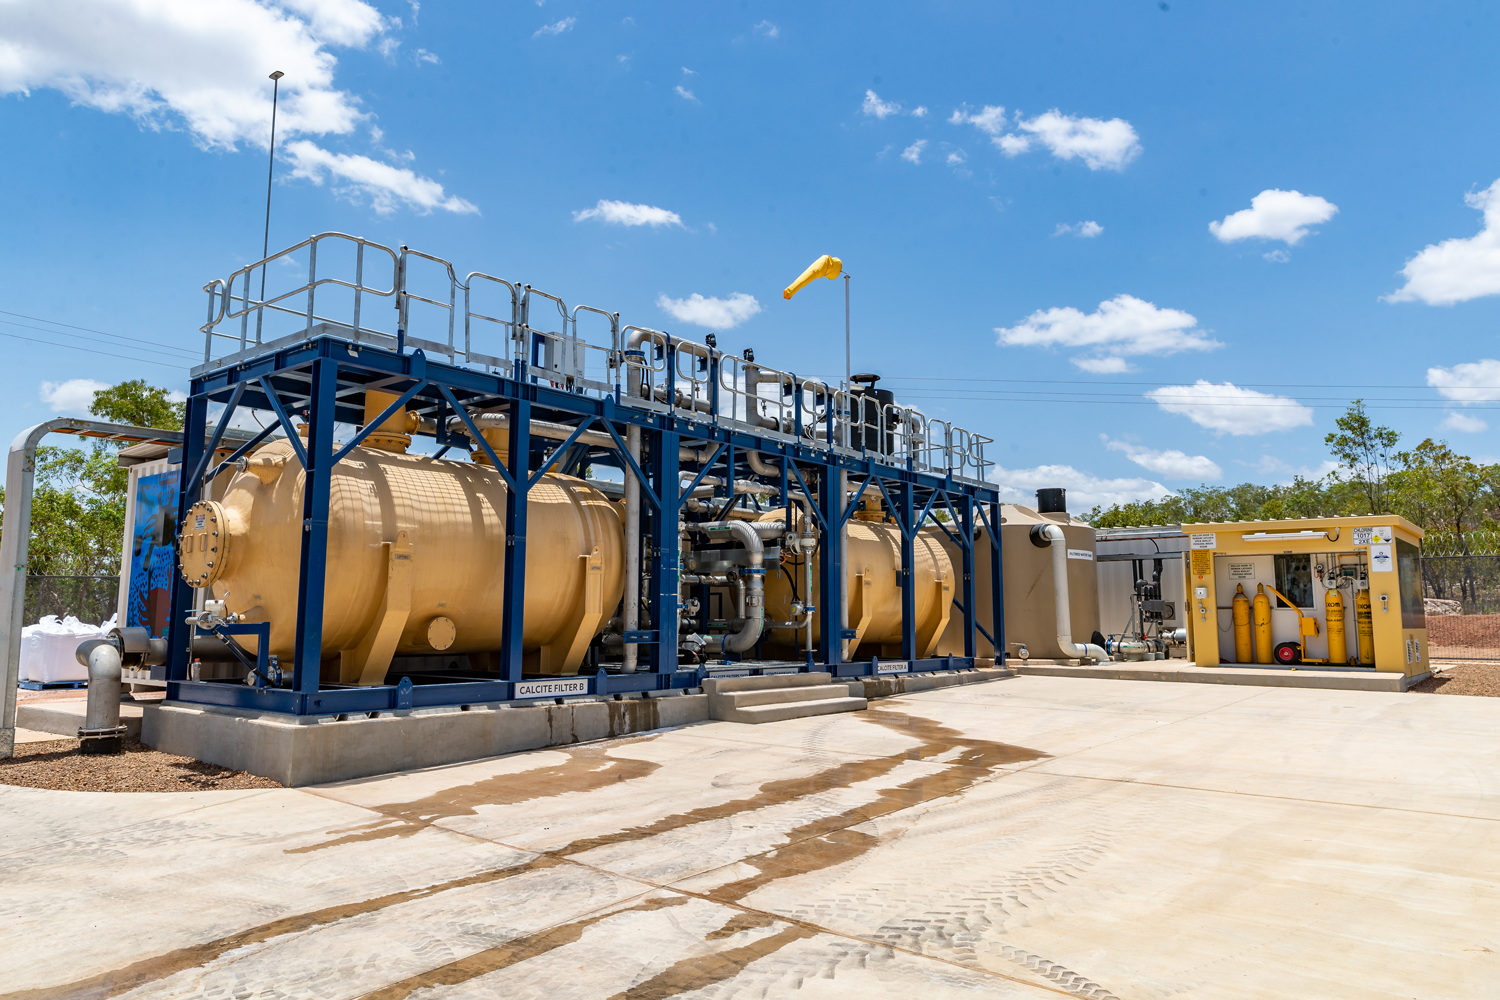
(153, 558)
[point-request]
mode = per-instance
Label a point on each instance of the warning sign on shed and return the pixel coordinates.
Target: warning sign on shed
(1373, 536)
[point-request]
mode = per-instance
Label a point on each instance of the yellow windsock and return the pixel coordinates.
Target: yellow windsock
(824, 267)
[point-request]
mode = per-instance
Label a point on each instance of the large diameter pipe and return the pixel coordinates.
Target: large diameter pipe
(754, 611)
(101, 730)
(1076, 650)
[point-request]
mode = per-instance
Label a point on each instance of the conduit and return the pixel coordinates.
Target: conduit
(1075, 650)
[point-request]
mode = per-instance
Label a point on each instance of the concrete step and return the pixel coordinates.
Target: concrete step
(717, 685)
(773, 696)
(783, 711)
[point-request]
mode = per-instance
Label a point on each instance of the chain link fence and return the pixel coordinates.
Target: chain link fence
(91, 599)
(1461, 582)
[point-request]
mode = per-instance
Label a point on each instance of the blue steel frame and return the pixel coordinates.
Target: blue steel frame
(319, 380)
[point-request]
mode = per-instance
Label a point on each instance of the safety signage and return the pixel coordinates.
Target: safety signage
(1380, 559)
(552, 689)
(1373, 536)
(1242, 571)
(1203, 540)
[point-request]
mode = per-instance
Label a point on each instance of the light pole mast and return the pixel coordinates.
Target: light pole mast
(846, 331)
(270, 172)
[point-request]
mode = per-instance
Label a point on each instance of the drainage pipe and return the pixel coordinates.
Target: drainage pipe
(1075, 650)
(754, 612)
(101, 730)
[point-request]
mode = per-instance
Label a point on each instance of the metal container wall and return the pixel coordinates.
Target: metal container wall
(1030, 611)
(412, 539)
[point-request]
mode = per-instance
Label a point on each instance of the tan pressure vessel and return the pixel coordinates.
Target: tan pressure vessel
(1262, 625)
(873, 557)
(411, 541)
(1364, 622)
(1333, 614)
(1241, 615)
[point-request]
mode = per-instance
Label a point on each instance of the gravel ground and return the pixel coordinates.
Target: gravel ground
(1482, 679)
(57, 764)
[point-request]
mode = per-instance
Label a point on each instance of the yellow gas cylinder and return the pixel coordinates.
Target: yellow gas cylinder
(1242, 646)
(1262, 625)
(1333, 615)
(1364, 621)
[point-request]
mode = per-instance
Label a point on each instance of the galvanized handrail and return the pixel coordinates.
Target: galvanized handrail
(698, 379)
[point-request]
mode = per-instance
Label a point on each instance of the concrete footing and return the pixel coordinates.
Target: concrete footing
(66, 717)
(309, 751)
(1191, 673)
(317, 750)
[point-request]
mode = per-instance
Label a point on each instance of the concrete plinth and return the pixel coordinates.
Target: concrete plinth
(1191, 673)
(894, 684)
(65, 718)
(310, 751)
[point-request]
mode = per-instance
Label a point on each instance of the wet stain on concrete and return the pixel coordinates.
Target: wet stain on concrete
(511, 952)
(741, 922)
(829, 841)
(702, 971)
(159, 967)
(585, 770)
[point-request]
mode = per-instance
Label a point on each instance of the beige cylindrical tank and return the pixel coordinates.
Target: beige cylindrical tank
(1030, 605)
(873, 557)
(411, 540)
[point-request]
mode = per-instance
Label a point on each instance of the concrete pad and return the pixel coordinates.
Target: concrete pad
(1191, 673)
(34, 736)
(313, 750)
(64, 717)
(1042, 837)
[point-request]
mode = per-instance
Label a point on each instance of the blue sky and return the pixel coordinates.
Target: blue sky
(1022, 192)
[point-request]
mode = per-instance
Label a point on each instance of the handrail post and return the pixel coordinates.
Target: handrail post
(312, 281)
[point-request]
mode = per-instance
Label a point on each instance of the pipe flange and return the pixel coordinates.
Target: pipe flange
(203, 544)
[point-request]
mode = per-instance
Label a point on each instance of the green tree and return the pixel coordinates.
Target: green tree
(78, 501)
(134, 402)
(1365, 450)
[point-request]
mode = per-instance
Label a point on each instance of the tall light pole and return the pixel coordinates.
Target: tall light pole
(270, 172)
(846, 330)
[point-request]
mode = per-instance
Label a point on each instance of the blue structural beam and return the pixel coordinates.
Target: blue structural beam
(322, 381)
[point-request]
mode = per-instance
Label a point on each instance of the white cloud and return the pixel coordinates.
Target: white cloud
(1228, 409)
(1102, 145)
(1469, 382)
(1464, 423)
(423, 56)
(913, 153)
(689, 72)
(876, 108)
(382, 183)
(686, 94)
(1085, 491)
(1012, 145)
(1458, 270)
(1084, 230)
(1277, 256)
(714, 313)
(957, 158)
(1121, 326)
(201, 65)
(1285, 472)
(1104, 366)
(920, 111)
(556, 27)
(75, 395)
(1171, 463)
(990, 119)
(1275, 215)
(623, 213)
(768, 29)
(195, 64)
